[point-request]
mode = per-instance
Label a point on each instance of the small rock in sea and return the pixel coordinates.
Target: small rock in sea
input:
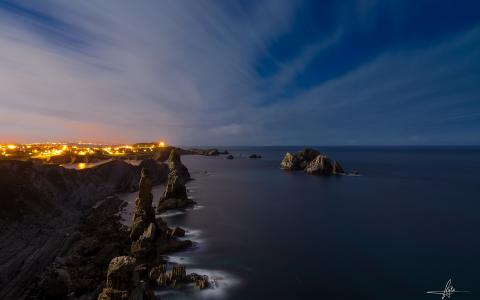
(229, 157)
(255, 156)
(312, 162)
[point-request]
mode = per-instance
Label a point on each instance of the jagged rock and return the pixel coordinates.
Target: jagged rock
(320, 165)
(120, 274)
(307, 154)
(255, 156)
(337, 168)
(155, 272)
(144, 214)
(145, 243)
(290, 162)
(175, 163)
(175, 187)
(112, 294)
(178, 232)
(149, 233)
(121, 279)
(201, 281)
(312, 162)
(178, 275)
(229, 157)
(175, 195)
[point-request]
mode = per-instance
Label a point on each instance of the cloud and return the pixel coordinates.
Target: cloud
(185, 72)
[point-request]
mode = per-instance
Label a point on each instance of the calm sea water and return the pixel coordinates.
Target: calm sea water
(407, 225)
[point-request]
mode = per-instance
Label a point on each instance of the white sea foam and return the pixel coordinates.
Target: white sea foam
(220, 282)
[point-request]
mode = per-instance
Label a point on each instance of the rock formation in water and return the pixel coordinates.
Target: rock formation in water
(176, 276)
(206, 152)
(254, 156)
(320, 165)
(131, 277)
(312, 162)
(175, 163)
(337, 168)
(229, 156)
(175, 195)
(144, 215)
(290, 162)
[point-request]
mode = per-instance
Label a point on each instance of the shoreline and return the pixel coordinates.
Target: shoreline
(80, 194)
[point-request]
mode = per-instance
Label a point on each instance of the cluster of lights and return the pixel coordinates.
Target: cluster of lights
(45, 150)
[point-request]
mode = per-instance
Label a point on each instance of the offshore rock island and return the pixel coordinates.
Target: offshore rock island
(312, 162)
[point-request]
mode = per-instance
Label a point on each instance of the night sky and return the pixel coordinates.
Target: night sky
(241, 73)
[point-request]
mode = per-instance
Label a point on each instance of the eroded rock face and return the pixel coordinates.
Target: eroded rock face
(321, 165)
(307, 154)
(122, 279)
(337, 168)
(312, 162)
(144, 214)
(175, 195)
(175, 163)
(290, 162)
(177, 276)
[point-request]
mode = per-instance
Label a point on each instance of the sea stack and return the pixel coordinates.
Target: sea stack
(144, 213)
(175, 195)
(312, 162)
(175, 163)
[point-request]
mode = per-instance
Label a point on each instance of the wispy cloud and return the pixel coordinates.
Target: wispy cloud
(185, 71)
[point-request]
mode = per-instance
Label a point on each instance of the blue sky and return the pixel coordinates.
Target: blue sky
(241, 72)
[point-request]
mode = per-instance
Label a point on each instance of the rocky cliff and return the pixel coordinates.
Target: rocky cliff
(41, 206)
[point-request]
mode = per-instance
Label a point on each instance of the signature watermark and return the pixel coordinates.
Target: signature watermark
(448, 291)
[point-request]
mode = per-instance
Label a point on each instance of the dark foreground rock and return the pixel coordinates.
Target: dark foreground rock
(44, 210)
(312, 162)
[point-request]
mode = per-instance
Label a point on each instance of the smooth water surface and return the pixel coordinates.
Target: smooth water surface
(406, 225)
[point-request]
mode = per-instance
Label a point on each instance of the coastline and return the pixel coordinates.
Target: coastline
(68, 252)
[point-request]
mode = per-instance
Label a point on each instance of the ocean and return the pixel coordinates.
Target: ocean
(408, 224)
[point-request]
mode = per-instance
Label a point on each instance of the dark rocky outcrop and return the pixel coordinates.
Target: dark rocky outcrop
(175, 163)
(177, 276)
(229, 156)
(131, 277)
(254, 156)
(321, 165)
(290, 162)
(41, 209)
(206, 152)
(312, 162)
(175, 195)
(337, 168)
